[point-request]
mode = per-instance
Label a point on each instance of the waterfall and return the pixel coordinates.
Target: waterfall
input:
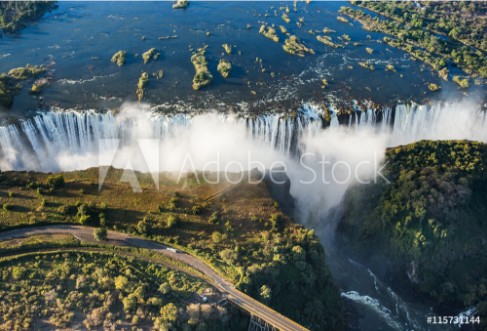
(34, 143)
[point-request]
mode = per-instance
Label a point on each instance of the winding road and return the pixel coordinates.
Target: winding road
(243, 301)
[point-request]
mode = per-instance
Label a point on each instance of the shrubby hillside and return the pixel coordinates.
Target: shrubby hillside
(238, 229)
(428, 227)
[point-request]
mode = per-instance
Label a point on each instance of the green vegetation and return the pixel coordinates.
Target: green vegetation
(100, 234)
(203, 76)
(150, 54)
(77, 289)
(417, 29)
(300, 22)
(447, 18)
(328, 41)
(433, 87)
(7, 92)
(269, 32)
(15, 15)
(227, 48)
(236, 229)
(390, 67)
(464, 83)
(293, 46)
(428, 226)
(10, 82)
(28, 71)
(143, 81)
(119, 58)
(367, 65)
(224, 68)
(285, 18)
(39, 85)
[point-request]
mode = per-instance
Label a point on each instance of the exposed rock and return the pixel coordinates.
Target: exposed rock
(180, 4)
(158, 74)
(168, 37)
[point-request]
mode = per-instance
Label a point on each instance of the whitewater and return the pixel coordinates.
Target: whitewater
(66, 140)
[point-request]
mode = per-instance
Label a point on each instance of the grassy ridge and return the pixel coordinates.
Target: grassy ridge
(238, 229)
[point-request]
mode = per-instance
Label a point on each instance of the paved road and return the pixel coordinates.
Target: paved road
(238, 298)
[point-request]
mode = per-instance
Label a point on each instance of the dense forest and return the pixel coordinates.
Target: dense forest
(14, 15)
(427, 228)
(442, 34)
(98, 291)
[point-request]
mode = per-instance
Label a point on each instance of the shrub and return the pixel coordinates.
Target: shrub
(172, 221)
(56, 181)
(100, 234)
(63, 210)
(265, 293)
(103, 221)
(214, 218)
(174, 203)
(275, 221)
(84, 219)
(216, 237)
(143, 227)
(41, 205)
(197, 210)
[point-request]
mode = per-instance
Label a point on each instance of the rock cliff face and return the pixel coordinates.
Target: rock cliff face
(427, 228)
